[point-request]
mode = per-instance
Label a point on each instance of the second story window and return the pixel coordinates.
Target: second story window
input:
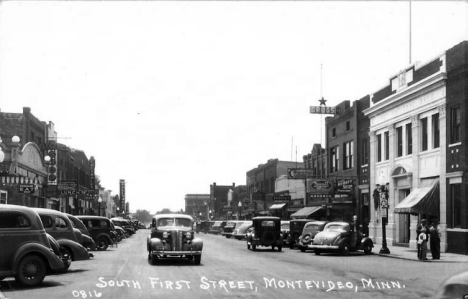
(409, 139)
(348, 155)
(334, 159)
(333, 132)
(399, 132)
(348, 125)
(424, 134)
(455, 124)
(387, 145)
(435, 131)
(379, 147)
(365, 152)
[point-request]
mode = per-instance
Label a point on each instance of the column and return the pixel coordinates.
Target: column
(391, 227)
(415, 182)
(442, 178)
(374, 216)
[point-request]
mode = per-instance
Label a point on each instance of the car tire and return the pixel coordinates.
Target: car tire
(153, 259)
(367, 249)
(31, 271)
(67, 251)
(280, 248)
(345, 249)
(254, 247)
(317, 252)
(197, 259)
(102, 243)
(303, 250)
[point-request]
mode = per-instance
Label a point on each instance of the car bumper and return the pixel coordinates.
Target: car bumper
(325, 247)
(169, 253)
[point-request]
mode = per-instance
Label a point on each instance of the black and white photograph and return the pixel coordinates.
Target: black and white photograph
(233, 149)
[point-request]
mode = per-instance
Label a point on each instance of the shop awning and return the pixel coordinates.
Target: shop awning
(305, 212)
(277, 206)
(294, 209)
(422, 200)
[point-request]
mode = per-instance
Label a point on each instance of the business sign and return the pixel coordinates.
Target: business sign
(320, 186)
(92, 177)
(122, 195)
(322, 110)
(299, 173)
(26, 188)
(281, 198)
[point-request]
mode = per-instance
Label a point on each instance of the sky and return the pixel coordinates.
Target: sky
(172, 96)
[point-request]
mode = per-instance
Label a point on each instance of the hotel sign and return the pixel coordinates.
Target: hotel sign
(323, 110)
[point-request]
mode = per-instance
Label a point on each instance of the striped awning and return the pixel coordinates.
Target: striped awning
(19, 180)
(306, 212)
(277, 206)
(422, 200)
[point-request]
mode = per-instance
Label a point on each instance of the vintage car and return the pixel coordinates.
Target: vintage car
(266, 232)
(205, 226)
(218, 227)
(341, 237)
(285, 229)
(308, 234)
(88, 242)
(295, 231)
(172, 235)
(100, 230)
(59, 226)
(229, 228)
(26, 249)
(241, 231)
(123, 223)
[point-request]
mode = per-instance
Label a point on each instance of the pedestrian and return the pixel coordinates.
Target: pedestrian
(422, 241)
(419, 228)
(435, 240)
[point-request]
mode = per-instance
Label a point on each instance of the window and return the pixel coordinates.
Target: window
(60, 223)
(348, 125)
(333, 132)
(348, 155)
(455, 125)
(409, 139)
(399, 132)
(379, 147)
(435, 131)
(365, 152)
(334, 159)
(13, 220)
(47, 221)
(387, 145)
(456, 204)
(424, 134)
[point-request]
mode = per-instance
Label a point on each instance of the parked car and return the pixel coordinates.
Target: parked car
(59, 226)
(218, 227)
(295, 230)
(88, 242)
(308, 234)
(285, 228)
(123, 223)
(241, 232)
(26, 250)
(229, 228)
(341, 237)
(99, 228)
(172, 235)
(266, 232)
(205, 226)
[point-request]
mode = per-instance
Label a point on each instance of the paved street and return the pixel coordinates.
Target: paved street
(228, 269)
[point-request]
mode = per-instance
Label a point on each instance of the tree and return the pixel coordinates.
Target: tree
(143, 216)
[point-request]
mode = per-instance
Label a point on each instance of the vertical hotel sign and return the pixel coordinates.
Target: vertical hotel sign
(92, 177)
(122, 195)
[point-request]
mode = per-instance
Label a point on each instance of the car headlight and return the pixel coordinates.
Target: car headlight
(188, 235)
(165, 235)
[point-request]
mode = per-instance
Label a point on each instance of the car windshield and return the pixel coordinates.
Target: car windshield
(337, 227)
(217, 223)
(179, 222)
(268, 223)
(285, 226)
(231, 224)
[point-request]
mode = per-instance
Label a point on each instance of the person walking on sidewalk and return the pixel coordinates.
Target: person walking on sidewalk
(422, 242)
(435, 240)
(419, 228)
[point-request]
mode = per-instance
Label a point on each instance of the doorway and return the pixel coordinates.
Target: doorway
(404, 222)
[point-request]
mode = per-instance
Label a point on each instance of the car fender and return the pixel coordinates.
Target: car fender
(105, 236)
(54, 262)
(88, 239)
(366, 241)
(78, 251)
(156, 244)
(197, 244)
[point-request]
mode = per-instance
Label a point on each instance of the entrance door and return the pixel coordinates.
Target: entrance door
(403, 220)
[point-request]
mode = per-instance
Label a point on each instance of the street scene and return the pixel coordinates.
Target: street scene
(247, 149)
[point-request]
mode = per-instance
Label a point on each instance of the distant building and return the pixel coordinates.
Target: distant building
(197, 205)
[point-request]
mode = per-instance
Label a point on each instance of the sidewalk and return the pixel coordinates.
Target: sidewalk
(407, 253)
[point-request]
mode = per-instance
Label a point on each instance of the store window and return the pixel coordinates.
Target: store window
(456, 204)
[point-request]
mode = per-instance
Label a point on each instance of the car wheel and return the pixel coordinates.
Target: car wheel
(317, 252)
(254, 247)
(273, 247)
(197, 259)
(31, 271)
(368, 249)
(66, 251)
(248, 246)
(345, 249)
(303, 250)
(291, 245)
(280, 248)
(102, 244)
(153, 259)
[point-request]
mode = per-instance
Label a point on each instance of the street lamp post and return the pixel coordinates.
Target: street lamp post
(239, 210)
(99, 201)
(118, 209)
